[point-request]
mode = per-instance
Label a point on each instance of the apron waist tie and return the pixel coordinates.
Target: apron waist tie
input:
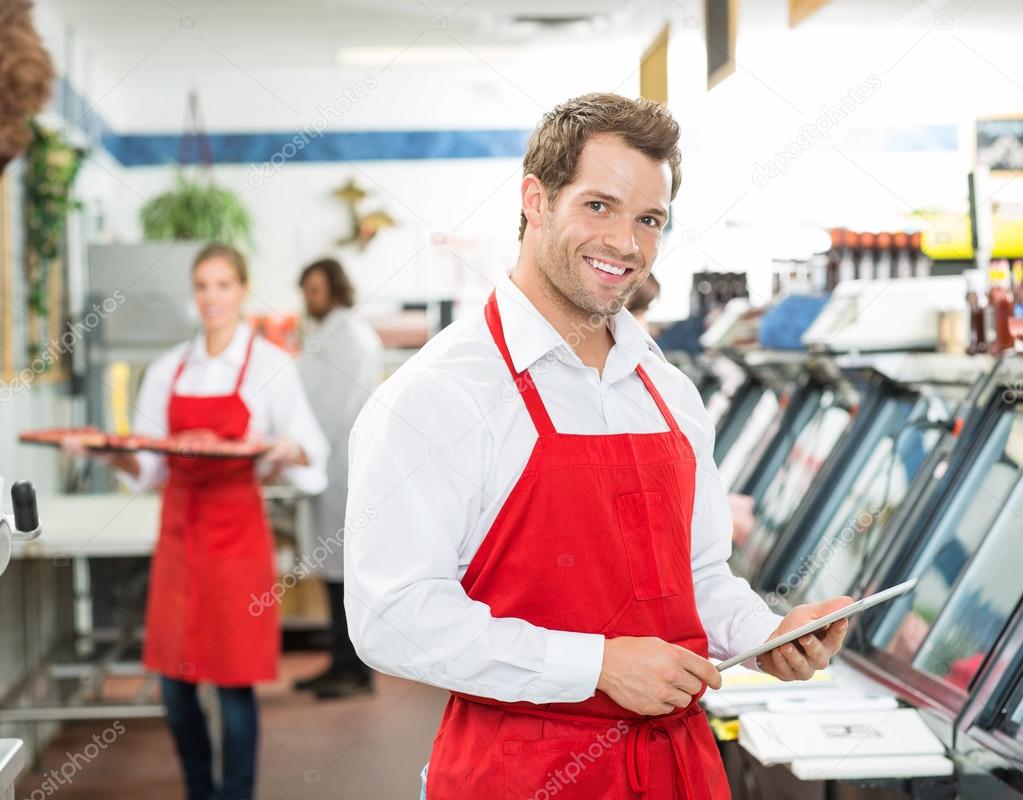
(637, 757)
(637, 737)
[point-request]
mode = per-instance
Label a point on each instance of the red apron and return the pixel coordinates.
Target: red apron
(594, 538)
(210, 615)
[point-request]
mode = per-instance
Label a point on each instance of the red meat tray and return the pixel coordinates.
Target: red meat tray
(193, 445)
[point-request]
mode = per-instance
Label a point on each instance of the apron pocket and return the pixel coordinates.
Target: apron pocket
(648, 544)
(546, 768)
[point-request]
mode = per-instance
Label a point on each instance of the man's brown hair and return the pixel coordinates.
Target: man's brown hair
(554, 148)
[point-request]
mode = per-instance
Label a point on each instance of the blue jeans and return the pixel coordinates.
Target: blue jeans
(192, 739)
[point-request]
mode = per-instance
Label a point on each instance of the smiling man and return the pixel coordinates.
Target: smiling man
(549, 536)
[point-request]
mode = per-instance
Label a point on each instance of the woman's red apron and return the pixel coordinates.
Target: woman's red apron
(594, 538)
(210, 615)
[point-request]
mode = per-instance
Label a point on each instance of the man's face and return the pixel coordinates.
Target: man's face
(600, 239)
(316, 291)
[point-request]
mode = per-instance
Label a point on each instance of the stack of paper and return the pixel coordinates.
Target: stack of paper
(844, 744)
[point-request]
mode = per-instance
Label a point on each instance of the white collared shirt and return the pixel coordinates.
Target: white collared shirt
(271, 389)
(433, 456)
(340, 366)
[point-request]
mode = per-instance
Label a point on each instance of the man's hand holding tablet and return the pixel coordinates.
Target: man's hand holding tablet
(810, 635)
(799, 660)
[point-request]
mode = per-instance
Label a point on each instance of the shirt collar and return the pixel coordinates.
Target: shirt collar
(233, 354)
(530, 336)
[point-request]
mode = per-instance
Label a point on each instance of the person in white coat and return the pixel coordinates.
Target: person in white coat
(340, 366)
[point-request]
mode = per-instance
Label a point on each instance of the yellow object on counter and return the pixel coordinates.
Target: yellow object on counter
(725, 730)
(120, 388)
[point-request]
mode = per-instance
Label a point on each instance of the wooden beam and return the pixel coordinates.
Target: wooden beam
(720, 23)
(653, 69)
(802, 10)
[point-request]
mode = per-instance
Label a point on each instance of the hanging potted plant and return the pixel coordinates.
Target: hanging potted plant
(51, 166)
(196, 209)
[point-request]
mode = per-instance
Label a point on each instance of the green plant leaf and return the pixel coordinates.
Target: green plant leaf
(196, 209)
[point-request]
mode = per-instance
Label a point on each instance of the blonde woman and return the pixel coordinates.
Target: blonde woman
(210, 615)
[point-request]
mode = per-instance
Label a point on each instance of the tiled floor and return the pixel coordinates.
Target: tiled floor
(364, 748)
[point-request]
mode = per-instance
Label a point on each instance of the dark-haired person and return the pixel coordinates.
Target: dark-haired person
(340, 366)
(551, 538)
(639, 303)
(211, 615)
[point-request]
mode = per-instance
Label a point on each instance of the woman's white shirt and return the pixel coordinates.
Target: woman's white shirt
(271, 390)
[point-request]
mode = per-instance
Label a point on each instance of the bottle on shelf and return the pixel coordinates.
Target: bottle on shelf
(818, 273)
(834, 255)
(903, 263)
(846, 260)
(865, 266)
(978, 334)
(883, 263)
(1000, 300)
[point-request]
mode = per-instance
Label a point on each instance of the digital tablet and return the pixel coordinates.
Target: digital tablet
(843, 613)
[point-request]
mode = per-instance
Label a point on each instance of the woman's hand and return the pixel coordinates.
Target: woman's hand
(285, 453)
(77, 445)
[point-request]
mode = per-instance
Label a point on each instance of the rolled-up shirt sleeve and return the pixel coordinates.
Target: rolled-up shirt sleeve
(418, 459)
(734, 617)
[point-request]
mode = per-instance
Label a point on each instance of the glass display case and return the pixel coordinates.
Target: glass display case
(731, 422)
(743, 432)
(962, 601)
(964, 545)
(719, 390)
(826, 549)
(746, 434)
(800, 457)
(989, 742)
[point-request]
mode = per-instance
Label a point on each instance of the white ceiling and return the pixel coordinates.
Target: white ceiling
(323, 34)
(311, 33)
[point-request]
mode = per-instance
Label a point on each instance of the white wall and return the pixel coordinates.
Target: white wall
(297, 220)
(927, 69)
(922, 68)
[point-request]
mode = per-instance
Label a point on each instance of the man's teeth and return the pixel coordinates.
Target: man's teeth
(606, 267)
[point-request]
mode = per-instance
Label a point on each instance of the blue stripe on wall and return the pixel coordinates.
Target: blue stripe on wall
(139, 150)
(134, 150)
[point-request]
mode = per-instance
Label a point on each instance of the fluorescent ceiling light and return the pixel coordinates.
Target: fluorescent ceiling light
(374, 55)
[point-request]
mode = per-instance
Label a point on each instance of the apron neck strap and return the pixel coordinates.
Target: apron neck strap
(531, 397)
(661, 405)
(523, 380)
(241, 372)
(245, 363)
(180, 369)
